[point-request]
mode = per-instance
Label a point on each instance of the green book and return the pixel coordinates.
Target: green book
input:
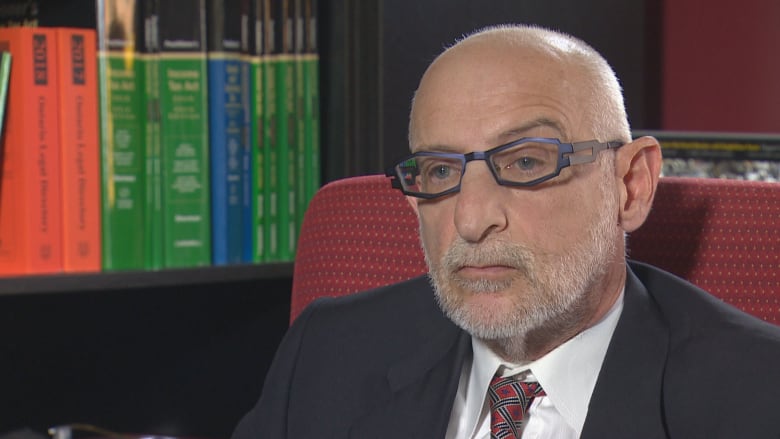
(311, 109)
(258, 135)
(284, 70)
(299, 57)
(269, 62)
(184, 133)
(5, 77)
(123, 172)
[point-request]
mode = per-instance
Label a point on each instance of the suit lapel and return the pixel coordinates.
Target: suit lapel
(627, 400)
(422, 389)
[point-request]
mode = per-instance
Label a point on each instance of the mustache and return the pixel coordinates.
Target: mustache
(494, 252)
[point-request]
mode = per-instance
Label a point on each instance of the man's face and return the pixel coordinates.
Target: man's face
(506, 261)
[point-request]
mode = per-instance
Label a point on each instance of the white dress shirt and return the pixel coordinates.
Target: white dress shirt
(567, 374)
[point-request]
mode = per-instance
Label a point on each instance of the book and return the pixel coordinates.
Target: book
(247, 171)
(30, 209)
(122, 127)
(79, 149)
(299, 43)
(226, 130)
(311, 109)
(5, 78)
(283, 61)
(184, 133)
(148, 58)
(256, 133)
(269, 59)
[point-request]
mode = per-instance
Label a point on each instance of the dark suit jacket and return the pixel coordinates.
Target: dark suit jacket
(386, 364)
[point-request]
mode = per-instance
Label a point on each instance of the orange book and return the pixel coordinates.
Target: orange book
(79, 149)
(30, 226)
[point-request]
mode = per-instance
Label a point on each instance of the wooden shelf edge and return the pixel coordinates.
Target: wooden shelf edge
(122, 280)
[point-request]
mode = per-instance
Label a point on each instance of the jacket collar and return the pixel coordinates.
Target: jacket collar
(422, 388)
(627, 399)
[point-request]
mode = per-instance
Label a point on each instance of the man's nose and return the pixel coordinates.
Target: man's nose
(480, 206)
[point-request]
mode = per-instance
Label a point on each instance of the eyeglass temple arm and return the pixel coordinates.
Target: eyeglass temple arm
(390, 172)
(594, 146)
(395, 179)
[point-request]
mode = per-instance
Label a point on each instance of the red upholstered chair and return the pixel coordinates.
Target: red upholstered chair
(723, 235)
(358, 233)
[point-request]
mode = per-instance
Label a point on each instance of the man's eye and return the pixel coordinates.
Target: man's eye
(526, 163)
(522, 164)
(442, 171)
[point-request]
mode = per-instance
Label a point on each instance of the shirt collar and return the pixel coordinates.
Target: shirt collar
(567, 374)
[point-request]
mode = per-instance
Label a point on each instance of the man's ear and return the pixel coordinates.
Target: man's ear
(638, 168)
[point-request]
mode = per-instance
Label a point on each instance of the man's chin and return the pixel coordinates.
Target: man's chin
(490, 299)
(486, 306)
(489, 318)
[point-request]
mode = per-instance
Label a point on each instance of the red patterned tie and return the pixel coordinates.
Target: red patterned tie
(509, 401)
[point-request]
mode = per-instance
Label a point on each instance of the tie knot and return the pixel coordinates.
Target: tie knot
(509, 401)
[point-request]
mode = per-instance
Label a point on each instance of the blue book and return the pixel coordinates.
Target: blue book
(226, 130)
(247, 205)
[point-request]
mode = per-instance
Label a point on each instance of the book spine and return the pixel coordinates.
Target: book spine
(184, 133)
(123, 161)
(299, 60)
(5, 78)
(311, 98)
(269, 62)
(79, 150)
(30, 218)
(286, 130)
(226, 133)
(247, 174)
(257, 133)
(149, 57)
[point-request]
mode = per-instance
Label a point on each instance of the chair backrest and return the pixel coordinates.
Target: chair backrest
(723, 235)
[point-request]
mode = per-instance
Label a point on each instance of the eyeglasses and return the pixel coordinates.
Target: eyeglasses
(524, 162)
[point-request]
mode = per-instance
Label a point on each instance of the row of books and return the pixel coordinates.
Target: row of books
(176, 134)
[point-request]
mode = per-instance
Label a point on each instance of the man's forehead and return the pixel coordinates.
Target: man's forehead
(488, 95)
(477, 71)
(537, 127)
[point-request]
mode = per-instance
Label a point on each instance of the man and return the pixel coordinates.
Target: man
(525, 181)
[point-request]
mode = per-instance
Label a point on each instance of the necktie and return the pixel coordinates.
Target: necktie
(509, 401)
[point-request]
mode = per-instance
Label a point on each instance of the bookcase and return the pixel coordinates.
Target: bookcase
(177, 351)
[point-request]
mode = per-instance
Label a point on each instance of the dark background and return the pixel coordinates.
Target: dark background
(375, 53)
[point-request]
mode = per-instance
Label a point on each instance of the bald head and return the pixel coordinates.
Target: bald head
(498, 59)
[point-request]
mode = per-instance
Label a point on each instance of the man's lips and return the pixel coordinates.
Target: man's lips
(485, 271)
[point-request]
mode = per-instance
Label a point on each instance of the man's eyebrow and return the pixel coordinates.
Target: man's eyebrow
(522, 130)
(436, 148)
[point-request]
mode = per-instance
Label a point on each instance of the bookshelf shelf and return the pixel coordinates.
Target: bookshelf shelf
(123, 280)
